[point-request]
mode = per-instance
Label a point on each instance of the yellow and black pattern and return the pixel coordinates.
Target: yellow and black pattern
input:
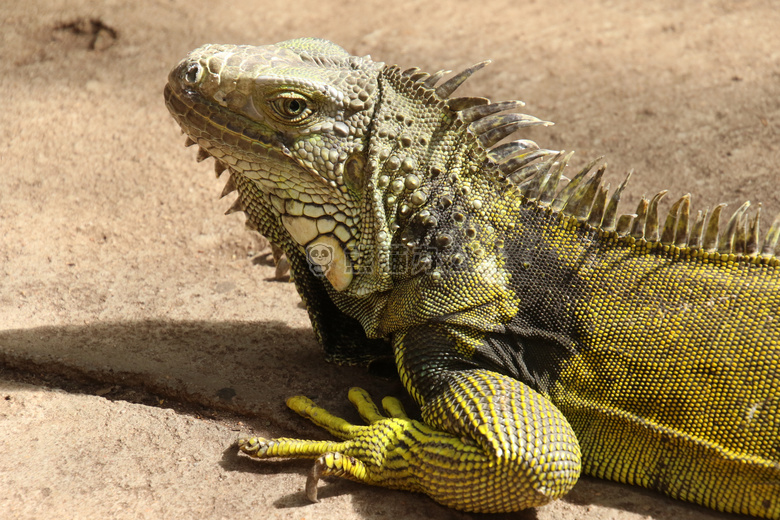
(682, 360)
(669, 366)
(523, 451)
(533, 453)
(540, 330)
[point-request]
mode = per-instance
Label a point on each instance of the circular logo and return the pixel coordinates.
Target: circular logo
(320, 257)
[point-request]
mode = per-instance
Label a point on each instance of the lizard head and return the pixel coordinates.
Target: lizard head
(290, 122)
(343, 161)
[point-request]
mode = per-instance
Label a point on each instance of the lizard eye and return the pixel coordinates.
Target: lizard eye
(291, 107)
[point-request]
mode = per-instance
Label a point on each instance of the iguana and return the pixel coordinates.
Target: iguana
(541, 332)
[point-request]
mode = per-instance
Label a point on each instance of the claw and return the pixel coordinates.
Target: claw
(333, 464)
(254, 446)
(313, 479)
(202, 155)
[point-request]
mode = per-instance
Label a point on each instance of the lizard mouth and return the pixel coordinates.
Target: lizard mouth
(202, 119)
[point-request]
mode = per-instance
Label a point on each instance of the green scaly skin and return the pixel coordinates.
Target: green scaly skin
(529, 321)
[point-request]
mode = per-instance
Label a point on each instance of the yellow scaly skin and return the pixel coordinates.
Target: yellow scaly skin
(527, 321)
(402, 453)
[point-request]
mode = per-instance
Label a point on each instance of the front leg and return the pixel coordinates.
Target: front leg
(488, 443)
(530, 455)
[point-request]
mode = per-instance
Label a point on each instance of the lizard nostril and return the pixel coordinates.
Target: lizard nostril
(192, 73)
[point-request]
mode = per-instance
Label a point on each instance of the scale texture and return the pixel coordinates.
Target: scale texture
(542, 332)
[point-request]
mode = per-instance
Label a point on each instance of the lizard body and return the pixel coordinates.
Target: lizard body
(541, 332)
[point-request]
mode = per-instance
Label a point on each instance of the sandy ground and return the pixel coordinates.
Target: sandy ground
(141, 330)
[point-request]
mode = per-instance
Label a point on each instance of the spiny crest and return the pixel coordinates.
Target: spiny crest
(536, 174)
(585, 199)
(422, 81)
(219, 169)
(281, 261)
(488, 123)
(485, 118)
(425, 85)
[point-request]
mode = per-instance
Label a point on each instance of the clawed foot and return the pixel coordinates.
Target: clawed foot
(360, 454)
(509, 447)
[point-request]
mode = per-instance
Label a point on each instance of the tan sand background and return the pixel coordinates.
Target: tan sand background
(141, 330)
